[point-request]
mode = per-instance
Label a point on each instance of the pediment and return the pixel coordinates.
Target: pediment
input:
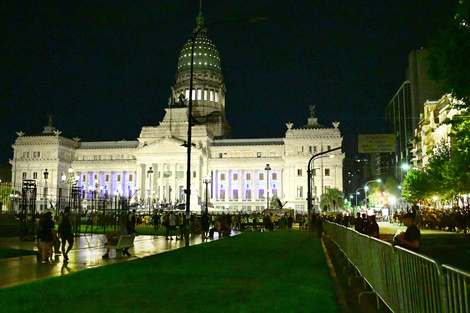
(164, 146)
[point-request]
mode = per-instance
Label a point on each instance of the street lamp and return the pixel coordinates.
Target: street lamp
(46, 175)
(367, 188)
(309, 183)
(149, 175)
(190, 110)
(207, 180)
(68, 179)
(357, 192)
(267, 169)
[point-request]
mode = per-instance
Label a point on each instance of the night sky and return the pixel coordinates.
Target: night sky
(104, 68)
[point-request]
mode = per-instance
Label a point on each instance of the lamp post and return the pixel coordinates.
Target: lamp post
(357, 192)
(68, 179)
(207, 180)
(267, 169)
(312, 178)
(46, 175)
(190, 114)
(149, 176)
(366, 188)
(309, 183)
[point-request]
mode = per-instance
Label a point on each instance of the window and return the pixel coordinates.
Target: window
(95, 157)
(36, 154)
(235, 176)
(327, 172)
(211, 95)
(258, 154)
(222, 176)
(205, 94)
(326, 188)
(220, 155)
(216, 96)
(261, 176)
(314, 149)
(130, 176)
(186, 93)
(96, 177)
(310, 149)
(194, 174)
(261, 194)
(299, 172)
(193, 94)
(248, 176)
(222, 194)
(248, 194)
(35, 175)
(329, 148)
(235, 194)
(199, 94)
(107, 177)
(24, 175)
(83, 178)
(274, 176)
(300, 191)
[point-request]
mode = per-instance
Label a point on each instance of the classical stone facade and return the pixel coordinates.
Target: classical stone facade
(434, 128)
(153, 167)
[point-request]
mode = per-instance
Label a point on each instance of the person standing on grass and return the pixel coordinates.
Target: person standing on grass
(65, 231)
(290, 221)
(47, 235)
(131, 220)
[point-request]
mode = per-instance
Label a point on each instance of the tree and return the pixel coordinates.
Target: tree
(415, 185)
(450, 54)
(332, 198)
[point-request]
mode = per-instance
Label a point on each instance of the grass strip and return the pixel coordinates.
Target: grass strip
(13, 253)
(254, 272)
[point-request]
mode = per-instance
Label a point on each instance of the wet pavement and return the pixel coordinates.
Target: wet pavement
(87, 253)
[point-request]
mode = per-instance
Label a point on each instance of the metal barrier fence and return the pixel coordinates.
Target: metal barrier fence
(457, 284)
(404, 280)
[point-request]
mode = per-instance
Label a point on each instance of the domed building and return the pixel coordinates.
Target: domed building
(243, 173)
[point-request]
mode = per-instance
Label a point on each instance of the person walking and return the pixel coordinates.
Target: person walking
(65, 231)
(47, 235)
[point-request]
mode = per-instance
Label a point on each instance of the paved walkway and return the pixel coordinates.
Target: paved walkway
(86, 253)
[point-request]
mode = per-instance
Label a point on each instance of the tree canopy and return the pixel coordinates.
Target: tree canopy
(450, 54)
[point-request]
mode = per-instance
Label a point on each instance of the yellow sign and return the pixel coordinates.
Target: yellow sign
(379, 143)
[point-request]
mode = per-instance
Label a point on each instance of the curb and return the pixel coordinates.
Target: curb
(343, 305)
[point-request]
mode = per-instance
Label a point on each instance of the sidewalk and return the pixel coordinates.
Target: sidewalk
(86, 253)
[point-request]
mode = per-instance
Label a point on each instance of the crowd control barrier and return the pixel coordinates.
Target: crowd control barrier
(457, 289)
(405, 281)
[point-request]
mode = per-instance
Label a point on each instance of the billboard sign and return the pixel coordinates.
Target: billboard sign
(377, 143)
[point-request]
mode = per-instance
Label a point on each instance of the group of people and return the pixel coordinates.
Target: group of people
(367, 224)
(48, 237)
(456, 219)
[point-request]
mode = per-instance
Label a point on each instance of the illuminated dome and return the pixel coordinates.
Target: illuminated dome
(206, 56)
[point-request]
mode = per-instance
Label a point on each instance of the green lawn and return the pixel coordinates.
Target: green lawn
(143, 230)
(253, 272)
(13, 253)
